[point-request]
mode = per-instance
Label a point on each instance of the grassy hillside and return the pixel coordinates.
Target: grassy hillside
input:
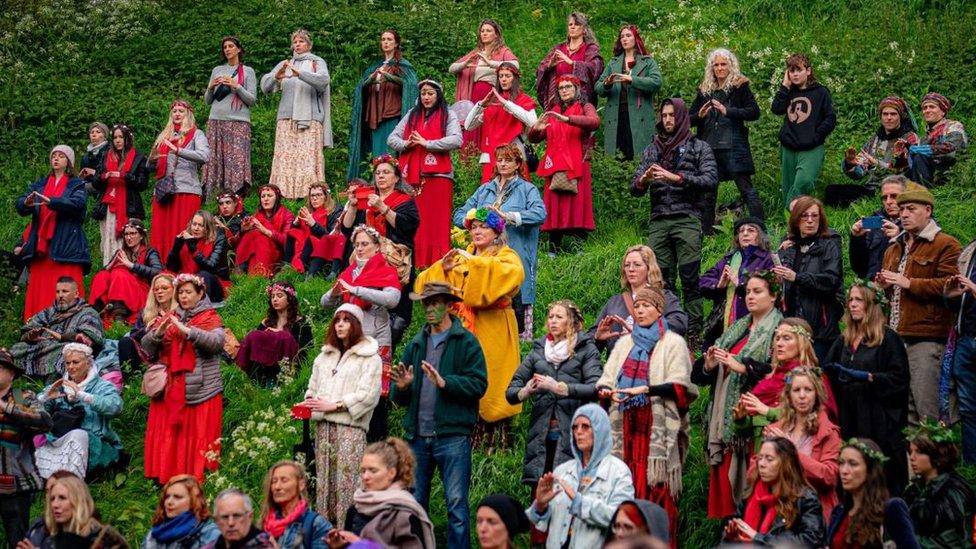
(64, 64)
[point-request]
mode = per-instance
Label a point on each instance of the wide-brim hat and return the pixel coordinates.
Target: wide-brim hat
(748, 220)
(432, 289)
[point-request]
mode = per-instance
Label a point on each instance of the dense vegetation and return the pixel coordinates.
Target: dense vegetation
(64, 64)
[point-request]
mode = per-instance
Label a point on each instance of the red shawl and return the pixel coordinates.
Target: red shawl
(115, 190)
(187, 263)
(500, 127)
(417, 160)
(181, 358)
(760, 512)
(278, 223)
(302, 232)
(162, 152)
(376, 274)
(377, 220)
(47, 219)
(564, 146)
(769, 389)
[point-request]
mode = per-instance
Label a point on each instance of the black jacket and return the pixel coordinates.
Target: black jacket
(810, 116)
(867, 252)
(806, 531)
(151, 265)
(817, 293)
(136, 181)
(215, 263)
(897, 525)
(941, 510)
(727, 134)
(696, 163)
(580, 373)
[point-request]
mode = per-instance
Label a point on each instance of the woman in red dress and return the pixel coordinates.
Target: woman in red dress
(476, 70)
(262, 245)
(425, 138)
(309, 233)
(184, 427)
(177, 155)
(579, 55)
(566, 129)
(121, 289)
(54, 242)
(503, 116)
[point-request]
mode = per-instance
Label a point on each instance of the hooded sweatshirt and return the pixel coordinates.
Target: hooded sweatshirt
(809, 114)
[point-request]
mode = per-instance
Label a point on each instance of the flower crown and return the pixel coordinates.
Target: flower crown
(770, 277)
(183, 278)
(279, 287)
(364, 228)
(385, 158)
(486, 216)
(869, 452)
(813, 371)
(936, 431)
(880, 297)
(798, 330)
(181, 103)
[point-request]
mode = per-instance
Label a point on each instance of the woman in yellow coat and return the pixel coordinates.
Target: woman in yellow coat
(487, 276)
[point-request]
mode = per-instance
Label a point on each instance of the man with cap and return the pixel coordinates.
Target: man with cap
(867, 245)
(21, 418)
(440, 378)
(945, 140)
(677, 168)
(915, 272)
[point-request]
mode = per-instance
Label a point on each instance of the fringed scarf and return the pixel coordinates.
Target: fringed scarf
(634, 372)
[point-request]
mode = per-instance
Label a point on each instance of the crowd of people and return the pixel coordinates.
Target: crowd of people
(823, 398)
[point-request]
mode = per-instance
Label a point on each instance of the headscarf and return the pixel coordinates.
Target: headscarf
(666, 144)
(510, 511)
(939, 99)
(602, 439)
(907, 124)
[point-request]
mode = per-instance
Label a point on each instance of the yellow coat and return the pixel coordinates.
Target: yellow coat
(483, 281)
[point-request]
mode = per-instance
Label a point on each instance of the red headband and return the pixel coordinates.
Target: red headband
(181, 103)
(569, 78)
(509, 67)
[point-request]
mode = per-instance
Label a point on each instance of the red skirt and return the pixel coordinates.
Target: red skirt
(44, 275)
(567, 210)
(434, 204)
(721, 503)
(119, 284)
(479, 91)
(261, 253)
(183, 447)
(170, 219)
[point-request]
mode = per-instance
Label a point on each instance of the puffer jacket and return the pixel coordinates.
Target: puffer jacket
(352, 378)
(817, 294)
(807, 529)
(695, 163)
(580, 373)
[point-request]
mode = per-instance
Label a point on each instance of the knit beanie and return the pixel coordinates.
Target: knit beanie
(511, 512)
(103, 128)
(354, 310)
(65, 150)
(915, 193)
(652, 296)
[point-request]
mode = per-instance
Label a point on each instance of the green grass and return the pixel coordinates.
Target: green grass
(64, 64)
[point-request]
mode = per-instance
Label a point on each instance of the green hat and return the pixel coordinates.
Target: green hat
(915, 193)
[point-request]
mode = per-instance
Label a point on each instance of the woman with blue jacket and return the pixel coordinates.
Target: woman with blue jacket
(520, 203)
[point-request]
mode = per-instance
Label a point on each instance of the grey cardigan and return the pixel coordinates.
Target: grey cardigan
(317, 83)
(184, 165)
(204, 382)
(247, 93)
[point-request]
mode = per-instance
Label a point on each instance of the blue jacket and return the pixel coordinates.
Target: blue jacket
(307, 532)
(69, 244)
(524, 201)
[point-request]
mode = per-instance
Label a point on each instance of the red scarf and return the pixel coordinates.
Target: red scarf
(182, 359)
(115, 191)
(564, 146)
(235, 100)
(277, 526)
(47, 219)
(416, 161)
(302, 232)
(277, 223)
(500, 126)
(376, 274)
(768, 390)
(377, 220)
(187, 263)
(761, 508)
(162, 152)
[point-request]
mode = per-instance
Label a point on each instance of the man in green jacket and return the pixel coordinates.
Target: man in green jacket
(442, 404)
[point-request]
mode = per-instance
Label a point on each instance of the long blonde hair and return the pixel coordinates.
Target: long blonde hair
(152, 310)
(654, 277)
(82, 520)
(811, 423)
(169, 130)
(804, 341)
(871, 328)
(709, 83)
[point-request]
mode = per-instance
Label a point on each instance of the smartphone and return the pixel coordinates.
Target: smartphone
(872, 222)
(776, 260)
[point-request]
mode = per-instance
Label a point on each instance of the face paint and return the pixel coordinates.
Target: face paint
(435, 312)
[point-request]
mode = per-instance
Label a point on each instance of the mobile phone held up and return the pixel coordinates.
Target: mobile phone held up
(872, 222)
(776, 260)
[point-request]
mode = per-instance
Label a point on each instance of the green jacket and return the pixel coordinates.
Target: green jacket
(462, 365)
(640, 102)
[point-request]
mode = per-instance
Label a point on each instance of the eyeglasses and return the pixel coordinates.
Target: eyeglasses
(893, 196)
(810, 216)
(582, 427)
(230, 517)
(567, 87)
